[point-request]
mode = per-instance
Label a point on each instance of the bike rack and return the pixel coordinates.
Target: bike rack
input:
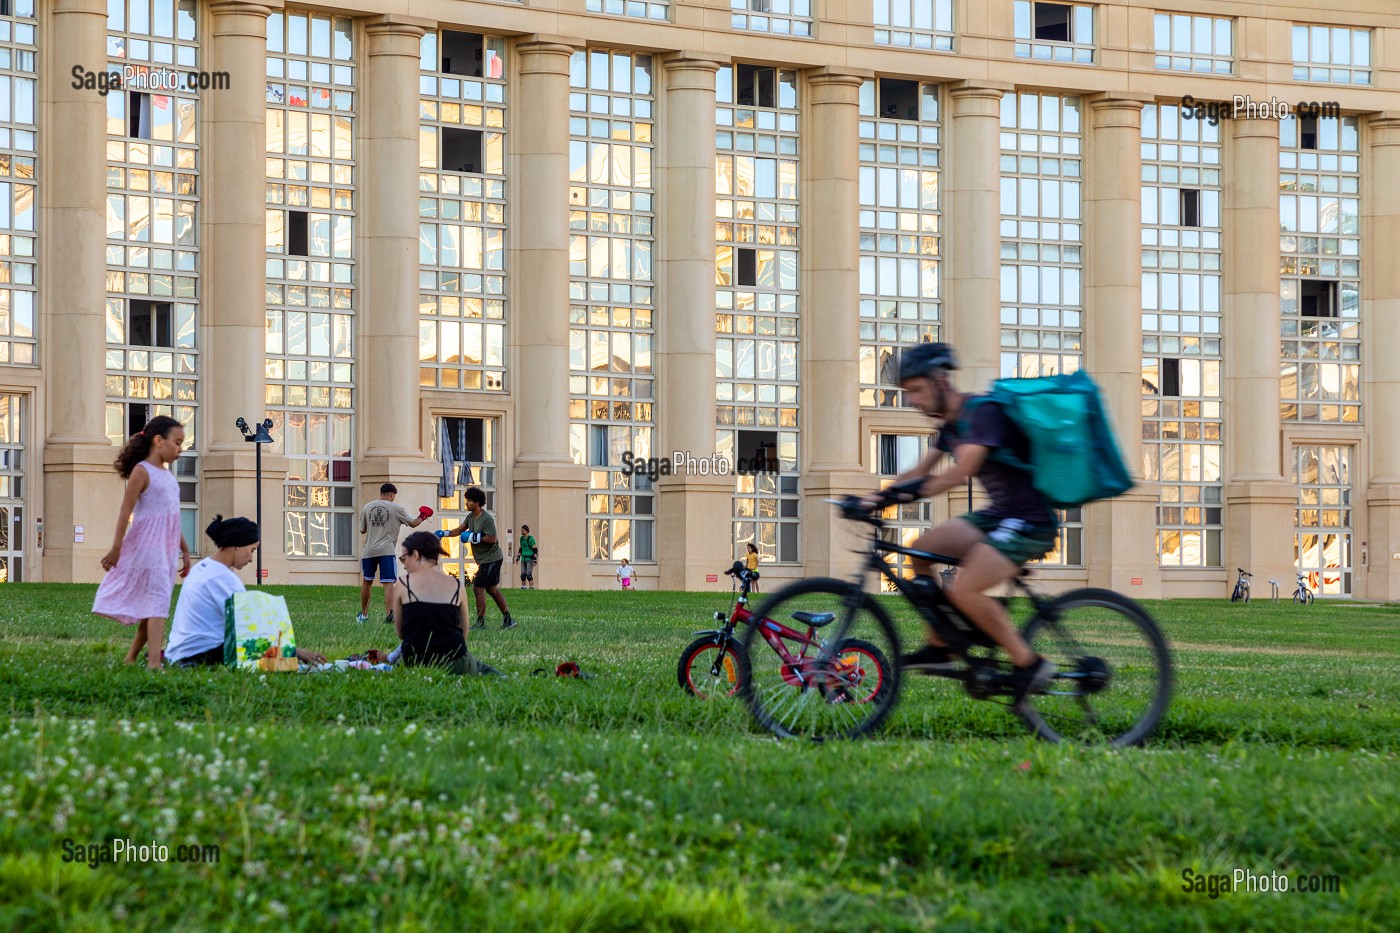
(1273, 587)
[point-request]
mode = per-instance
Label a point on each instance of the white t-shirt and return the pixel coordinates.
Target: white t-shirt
(625, 573)
(199, 612)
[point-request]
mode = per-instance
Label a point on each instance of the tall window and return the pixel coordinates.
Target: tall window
(916, 24)
(783, 17)
(12, 491)
(891, 455)
(153, 235)
(899, 228)
(756, 295)
(1062, 32)
(1201, 44)
(18, 185)
(1181, 322)
(1320, 206)
(462, 212)
(1042, 331)
(1323, 540)
(311, 275)
(611, 291)
(1332, 53)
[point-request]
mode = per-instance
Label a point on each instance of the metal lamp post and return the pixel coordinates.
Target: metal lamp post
(258, 436)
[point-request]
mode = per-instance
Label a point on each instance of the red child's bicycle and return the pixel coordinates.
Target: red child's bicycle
(713, 665)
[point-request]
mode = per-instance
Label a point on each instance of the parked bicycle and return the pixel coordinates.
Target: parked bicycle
(1112, 686)
(713, 665)
(710, 665)
(1303, 595)
(1241, 593)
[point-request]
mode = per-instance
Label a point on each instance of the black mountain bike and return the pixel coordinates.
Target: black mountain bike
(1241, 593)
(1112, 685)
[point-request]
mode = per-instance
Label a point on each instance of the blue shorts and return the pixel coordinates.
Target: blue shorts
(385, 566)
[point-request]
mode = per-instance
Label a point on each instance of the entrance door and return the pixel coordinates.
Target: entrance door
(472, 450)
(1322, 526)
(11, 488)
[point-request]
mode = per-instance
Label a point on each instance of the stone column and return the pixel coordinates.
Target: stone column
(233, 361)
(1259, 498)
(830, 349)
(547, 484)
(1380, 312)
(80, 486)
(1119, 535)
(693, 524)
(388, 392)
(972, 234)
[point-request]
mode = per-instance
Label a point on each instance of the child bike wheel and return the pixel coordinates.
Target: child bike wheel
(838, 680)
(1305, 597)
(1114, 677)
(709, 668)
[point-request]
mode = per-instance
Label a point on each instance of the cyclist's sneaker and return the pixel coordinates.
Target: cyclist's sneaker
(362, 618)
(929, 659)
(480, 622)
(1027, 681)
(508, 622)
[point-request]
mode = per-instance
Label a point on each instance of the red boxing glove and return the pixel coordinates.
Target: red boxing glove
(424, 512)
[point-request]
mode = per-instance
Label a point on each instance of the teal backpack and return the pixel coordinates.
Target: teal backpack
(1074, 458)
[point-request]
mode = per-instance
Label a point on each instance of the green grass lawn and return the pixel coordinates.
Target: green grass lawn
(409, 801)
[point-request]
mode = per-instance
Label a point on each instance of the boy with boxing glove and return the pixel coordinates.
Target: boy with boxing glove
(479, 530)
(379, 523)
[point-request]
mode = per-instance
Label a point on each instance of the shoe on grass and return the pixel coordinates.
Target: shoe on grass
(1028, 681)
(362, 618)
(508, 622)
(388, 618)
(929, 659)
(480, 622)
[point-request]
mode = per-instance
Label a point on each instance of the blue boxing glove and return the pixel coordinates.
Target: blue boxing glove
(473, 538)
(440, 533)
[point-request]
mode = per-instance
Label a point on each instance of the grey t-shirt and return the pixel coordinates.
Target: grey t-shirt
(379, 523)
(484, 523)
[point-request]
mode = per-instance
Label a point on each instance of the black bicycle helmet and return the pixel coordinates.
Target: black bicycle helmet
(924, 358)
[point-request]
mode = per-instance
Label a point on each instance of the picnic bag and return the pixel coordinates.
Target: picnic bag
(258, 633)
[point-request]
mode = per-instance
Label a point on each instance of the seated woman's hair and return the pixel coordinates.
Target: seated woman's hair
(423, 543)
(232, 532)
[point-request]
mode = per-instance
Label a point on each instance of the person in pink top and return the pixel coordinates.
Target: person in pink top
(141, 564)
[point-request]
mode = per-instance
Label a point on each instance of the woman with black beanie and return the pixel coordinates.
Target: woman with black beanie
(197, 634)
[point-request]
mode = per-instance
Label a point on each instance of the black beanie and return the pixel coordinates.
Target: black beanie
(233, 532)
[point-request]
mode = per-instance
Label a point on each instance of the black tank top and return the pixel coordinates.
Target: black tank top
(432, 632)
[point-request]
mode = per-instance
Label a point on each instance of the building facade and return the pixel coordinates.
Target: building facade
(593, 255)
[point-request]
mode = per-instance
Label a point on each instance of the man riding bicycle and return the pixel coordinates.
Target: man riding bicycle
(990, 544)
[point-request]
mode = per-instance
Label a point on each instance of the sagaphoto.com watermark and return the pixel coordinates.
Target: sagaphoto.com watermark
(114, 851)
(1245, 107)
(149, 80)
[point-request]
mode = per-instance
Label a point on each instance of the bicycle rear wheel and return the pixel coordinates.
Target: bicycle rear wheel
(1114, 676)
(835, 681)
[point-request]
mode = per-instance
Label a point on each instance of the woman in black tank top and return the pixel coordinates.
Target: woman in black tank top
(431, 625)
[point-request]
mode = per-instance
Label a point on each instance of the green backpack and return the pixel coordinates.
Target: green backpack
(1074, 458)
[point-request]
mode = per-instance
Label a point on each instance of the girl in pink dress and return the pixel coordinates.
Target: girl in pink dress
(141, 562)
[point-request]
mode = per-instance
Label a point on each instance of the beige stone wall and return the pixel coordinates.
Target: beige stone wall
(70, 477)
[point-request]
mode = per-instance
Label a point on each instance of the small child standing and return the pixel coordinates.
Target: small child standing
(625, 574)
(141, 564)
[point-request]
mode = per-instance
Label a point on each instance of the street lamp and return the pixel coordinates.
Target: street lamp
(258, 436)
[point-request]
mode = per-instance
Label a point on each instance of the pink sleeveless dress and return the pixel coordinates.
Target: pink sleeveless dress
(139, 587)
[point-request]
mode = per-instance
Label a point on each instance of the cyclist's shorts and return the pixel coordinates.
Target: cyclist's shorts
(1014, 538)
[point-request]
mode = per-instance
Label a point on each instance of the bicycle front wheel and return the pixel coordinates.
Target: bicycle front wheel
(1114, 677)
(821, 659)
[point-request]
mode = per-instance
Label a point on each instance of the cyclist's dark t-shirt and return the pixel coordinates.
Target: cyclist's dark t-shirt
(1010, 488)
